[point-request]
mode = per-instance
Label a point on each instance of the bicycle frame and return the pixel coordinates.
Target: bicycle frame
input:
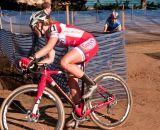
(46, 78)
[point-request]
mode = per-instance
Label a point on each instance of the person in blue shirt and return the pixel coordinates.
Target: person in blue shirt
(112, 23)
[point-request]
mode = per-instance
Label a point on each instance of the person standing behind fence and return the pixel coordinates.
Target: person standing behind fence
(46, 10)
(112, 23)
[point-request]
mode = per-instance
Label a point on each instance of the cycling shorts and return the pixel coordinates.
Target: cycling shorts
(88, 49)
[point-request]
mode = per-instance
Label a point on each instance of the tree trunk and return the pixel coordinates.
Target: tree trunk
(143, 4)
(117, 4)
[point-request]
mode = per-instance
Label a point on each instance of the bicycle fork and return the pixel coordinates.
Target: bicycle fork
(34, 115)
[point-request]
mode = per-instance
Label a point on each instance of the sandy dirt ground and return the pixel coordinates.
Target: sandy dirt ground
(143, 68)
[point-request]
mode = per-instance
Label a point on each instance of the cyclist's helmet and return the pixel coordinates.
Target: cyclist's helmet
(114, 15)
(36, 17)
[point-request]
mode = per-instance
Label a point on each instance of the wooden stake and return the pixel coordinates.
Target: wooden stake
(0, 18)
(67, 12)
(132, 12)
(11, 29)
(123, 18)
(0, 22)
(72, 17)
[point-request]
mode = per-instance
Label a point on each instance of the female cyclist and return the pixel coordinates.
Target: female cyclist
(84, 46)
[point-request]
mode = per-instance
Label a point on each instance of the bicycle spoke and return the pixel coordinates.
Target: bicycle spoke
(19, 107)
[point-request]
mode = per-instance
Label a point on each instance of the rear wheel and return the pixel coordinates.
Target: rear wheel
(116, 112)
(16, 109)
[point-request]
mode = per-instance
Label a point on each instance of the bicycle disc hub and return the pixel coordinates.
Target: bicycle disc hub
(32, 117)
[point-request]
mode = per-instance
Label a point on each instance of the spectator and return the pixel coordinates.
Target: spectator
(46, 10)
(112, 23)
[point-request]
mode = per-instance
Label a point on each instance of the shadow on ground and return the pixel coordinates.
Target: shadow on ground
(1, 101)
(155, 55)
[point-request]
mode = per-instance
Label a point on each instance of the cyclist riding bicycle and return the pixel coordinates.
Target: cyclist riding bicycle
(85, 47)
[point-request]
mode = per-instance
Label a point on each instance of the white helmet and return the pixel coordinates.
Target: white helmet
(36, 17)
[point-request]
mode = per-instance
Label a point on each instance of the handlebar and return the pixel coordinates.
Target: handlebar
(34, 65)
(35, 69)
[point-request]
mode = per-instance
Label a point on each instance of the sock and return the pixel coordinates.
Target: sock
(87, 80)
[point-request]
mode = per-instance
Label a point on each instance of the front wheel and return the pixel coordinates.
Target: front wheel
(17, 107)
(116, 112)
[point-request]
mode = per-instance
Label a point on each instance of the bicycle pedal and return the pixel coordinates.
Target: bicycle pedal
(80, 122)
(76, 125)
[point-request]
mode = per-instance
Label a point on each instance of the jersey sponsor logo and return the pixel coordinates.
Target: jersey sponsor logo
(73, 32)
(89, 44)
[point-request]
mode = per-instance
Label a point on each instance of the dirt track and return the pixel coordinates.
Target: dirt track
(144, 81)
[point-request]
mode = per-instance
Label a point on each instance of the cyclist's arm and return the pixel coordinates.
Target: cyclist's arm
(47, 48)
(105, 28)
(50, 58)
(107, 24)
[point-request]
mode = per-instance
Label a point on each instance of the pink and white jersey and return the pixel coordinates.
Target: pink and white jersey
(68, 35)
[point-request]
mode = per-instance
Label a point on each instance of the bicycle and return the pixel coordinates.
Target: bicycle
(108, 107)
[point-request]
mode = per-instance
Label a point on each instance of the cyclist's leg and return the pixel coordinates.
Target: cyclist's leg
(89, 48)
(75, 93)
(69, 62)
(83, 52)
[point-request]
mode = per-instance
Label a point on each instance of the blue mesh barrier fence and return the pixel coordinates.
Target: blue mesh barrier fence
(20, 19)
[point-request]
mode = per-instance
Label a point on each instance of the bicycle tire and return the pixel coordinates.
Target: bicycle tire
(15, 107)
(116, 86)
